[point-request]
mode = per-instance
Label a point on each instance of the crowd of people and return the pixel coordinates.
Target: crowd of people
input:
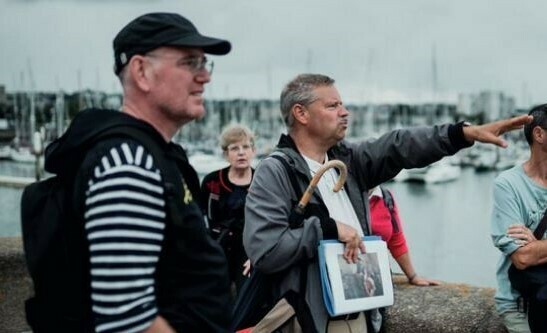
(165, 253)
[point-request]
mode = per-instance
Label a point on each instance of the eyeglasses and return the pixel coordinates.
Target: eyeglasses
(194, 63)
(197, 64)
(237, 148)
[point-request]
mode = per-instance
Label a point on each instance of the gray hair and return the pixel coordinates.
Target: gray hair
(122, 75)
(234, 133)
(300, 91)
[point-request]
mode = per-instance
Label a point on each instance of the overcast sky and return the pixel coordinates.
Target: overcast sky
(376, 50)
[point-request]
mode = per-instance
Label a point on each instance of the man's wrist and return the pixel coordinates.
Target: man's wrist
(457, 136)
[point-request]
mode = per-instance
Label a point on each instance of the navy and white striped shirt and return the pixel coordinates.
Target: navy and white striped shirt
(124, 223)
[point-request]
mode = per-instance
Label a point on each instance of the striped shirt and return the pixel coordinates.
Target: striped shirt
(124, 223)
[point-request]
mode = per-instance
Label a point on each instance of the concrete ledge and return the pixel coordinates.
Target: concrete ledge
(448, 308)
(451, 308)
(15, 285)
(17, 182)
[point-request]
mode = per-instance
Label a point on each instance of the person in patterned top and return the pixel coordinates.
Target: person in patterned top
(152, 265)
(223, 197)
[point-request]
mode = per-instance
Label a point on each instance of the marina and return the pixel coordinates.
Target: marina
(438, 172)
(412, 64)
(445, 207)
(447, 224)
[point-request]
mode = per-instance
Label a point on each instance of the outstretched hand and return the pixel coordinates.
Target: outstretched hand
(423, 282)
(490, 132)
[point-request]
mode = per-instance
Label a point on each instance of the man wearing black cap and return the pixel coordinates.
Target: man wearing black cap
(152, 265)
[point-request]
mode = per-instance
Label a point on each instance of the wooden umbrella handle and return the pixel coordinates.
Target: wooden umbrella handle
(313, 183)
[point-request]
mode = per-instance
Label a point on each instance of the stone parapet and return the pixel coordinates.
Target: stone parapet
(15, 285)
(448, 308)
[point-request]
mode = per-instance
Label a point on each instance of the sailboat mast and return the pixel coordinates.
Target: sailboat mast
(434, 83)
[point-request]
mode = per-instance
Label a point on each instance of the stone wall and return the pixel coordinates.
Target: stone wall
(450, 308)
(455, 308)
(15, 286)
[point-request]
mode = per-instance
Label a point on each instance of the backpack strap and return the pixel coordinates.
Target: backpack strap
(542, 226)
(298, 301)
(294, 182)
(291, 173)
(390, 205)
(297, 217)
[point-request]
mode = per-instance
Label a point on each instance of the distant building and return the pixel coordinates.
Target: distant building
(492, 105)
(113, 101)
(3, 95)
(467, 104)
(373, 120)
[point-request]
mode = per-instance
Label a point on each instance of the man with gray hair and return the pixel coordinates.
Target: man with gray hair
(148, 263)
(317, 121)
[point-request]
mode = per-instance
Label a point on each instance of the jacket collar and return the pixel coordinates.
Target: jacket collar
(338, 151)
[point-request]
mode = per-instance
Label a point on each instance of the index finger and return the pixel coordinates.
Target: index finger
(518, 122)
(516, 227)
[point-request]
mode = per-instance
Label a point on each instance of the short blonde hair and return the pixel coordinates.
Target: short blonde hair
(234, 133)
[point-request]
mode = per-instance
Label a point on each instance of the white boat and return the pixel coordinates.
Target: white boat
(505, 163)
(23, 155)
(497, 160)
(5, 152)
(434, 173)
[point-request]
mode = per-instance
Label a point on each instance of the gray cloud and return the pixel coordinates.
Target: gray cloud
(376, 50)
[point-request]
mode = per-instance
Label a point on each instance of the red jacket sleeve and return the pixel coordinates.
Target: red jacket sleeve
(382, 226)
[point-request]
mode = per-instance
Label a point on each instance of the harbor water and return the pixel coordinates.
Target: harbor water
(447, 225)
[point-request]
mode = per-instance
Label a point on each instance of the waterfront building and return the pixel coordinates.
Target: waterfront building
(491, 105)
(3, 96)
(373, 120)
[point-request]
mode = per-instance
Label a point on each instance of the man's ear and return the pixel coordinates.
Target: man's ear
(538, 134)
(300, 113)
(140, 72)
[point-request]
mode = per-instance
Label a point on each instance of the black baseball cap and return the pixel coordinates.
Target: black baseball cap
(153, 30)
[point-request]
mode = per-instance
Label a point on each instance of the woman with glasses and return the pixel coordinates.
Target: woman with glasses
(223, 197)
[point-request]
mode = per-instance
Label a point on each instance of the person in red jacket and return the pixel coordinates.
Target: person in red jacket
(386, 223)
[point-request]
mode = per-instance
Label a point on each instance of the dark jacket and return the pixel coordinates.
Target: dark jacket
(191, 279)
(223, 204)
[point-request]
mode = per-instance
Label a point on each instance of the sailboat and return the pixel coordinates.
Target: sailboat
(21, 150)
(6, 136)
(442, 171)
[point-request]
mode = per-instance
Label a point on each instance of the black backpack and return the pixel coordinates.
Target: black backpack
(54, 242)
(531, 283)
